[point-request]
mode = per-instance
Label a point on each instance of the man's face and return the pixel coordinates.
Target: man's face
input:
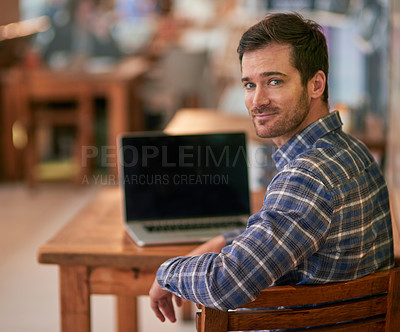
(274, 96)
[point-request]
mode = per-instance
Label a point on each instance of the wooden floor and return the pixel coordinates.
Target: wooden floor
(28, 290)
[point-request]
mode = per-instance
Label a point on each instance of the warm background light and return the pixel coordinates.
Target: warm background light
(24, 28)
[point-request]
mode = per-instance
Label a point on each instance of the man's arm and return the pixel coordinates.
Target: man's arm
(290, 227)
(213, 245)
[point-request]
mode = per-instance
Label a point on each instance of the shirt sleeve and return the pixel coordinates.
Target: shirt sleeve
(290, 227)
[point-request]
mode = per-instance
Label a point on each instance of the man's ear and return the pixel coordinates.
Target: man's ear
(316, 85)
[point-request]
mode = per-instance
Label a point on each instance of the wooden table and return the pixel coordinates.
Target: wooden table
(96, 256)
(116, 84)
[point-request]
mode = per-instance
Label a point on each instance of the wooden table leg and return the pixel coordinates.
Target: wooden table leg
(187, 312)
(75, 299)
(127, 316)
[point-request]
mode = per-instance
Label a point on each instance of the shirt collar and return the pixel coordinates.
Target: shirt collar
(306, 139)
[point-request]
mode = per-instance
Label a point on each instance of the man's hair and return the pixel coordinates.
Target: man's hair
(309, 49)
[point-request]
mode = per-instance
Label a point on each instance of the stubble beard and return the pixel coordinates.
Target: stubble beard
(282, 125)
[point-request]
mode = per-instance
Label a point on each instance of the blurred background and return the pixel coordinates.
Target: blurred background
(76, 73)
(188, 54)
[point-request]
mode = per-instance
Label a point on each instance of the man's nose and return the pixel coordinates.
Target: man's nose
(261, 97)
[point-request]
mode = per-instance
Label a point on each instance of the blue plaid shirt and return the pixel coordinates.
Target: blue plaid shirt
(325, 218)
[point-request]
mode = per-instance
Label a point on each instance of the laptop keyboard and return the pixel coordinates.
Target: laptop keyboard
(197, 225)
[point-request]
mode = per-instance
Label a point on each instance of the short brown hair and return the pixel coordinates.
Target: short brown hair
(309, 49)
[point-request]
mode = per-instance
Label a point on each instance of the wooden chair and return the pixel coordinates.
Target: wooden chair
(39, 89)
(371, 303)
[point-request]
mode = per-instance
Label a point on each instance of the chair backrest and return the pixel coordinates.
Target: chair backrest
(371, 303)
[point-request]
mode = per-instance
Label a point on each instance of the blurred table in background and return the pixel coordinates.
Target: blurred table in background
(203, 120)
(117, 84)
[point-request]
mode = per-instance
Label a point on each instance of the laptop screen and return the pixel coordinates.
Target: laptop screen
(184, 176)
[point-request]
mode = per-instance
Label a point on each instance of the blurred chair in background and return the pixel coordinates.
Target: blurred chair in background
(179, 80)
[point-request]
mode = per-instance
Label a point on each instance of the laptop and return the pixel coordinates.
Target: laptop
(183, 188)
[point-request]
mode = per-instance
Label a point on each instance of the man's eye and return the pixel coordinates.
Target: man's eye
(249, 85)
(275, 82)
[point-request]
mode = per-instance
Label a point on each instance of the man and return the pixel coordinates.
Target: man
(325, 216)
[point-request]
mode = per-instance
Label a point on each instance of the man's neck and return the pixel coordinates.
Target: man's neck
(318, 110)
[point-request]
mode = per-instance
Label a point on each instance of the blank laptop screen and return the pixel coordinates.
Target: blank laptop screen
(187, 176)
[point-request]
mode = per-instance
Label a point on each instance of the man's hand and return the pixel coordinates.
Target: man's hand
(161, 302)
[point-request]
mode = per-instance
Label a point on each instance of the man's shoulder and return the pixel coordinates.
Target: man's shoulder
(337, 147)
(316, 159)
(332, 164)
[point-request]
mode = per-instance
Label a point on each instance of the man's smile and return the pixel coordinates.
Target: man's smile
(263, 116)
